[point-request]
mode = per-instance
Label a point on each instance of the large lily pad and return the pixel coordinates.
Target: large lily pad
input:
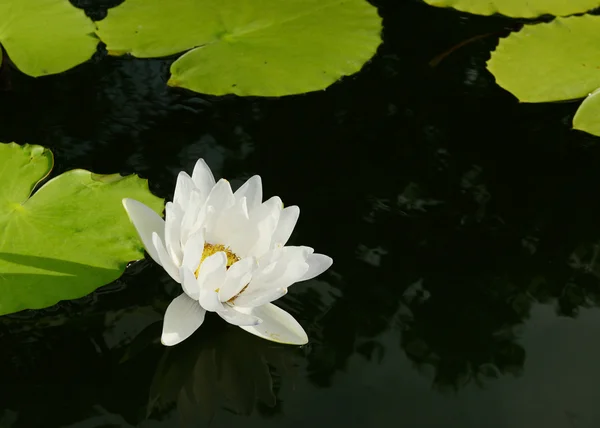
(45, 36)
(556, 61)
(67, 239)
(519, 8)
(261, 47)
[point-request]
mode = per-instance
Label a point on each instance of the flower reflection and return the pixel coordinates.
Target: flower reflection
(230, 370)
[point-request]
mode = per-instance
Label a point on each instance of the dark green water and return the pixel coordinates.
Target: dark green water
(464, 228)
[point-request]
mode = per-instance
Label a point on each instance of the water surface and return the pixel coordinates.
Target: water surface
(464, 229)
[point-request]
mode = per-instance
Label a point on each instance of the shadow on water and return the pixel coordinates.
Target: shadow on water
(453, 215)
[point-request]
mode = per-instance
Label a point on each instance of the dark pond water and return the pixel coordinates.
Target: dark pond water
(465, 230)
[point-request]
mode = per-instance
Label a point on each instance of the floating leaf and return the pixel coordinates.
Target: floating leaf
(45, 36)
(519, 8)
(556, 61)
(261, 47)
(587, 117)
(67, 239)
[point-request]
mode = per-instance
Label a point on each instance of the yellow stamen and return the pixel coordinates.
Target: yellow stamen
(210, 249)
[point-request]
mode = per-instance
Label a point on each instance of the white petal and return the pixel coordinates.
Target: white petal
(200, 222)
(236, 278)
(192, 253)
(220, 199)
(282, 276)
(272, 256)
(173, 217)
(256, 238)
(203, 178)
(189, 283)
(266, 218)
(182, 318)
(165, 258)
(210, 280)
(209, 300)
(317, 264)
(289, 266)
(242, 241)
(277, 325)
(183, 190)
(252, 191)
(221, 196)
(231, 222)
(232, 316)
(259, 297)
(146, 222)
(285, 226)
(290, 252)
(189, 224)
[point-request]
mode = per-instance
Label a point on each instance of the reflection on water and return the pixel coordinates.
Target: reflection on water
(464, 227)
(231, 370)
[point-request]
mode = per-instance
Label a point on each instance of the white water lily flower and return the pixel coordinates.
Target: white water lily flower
(228, 252)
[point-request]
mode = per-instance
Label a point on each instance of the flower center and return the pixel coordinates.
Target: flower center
(210, 249)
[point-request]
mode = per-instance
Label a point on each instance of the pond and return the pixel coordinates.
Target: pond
(464, 229)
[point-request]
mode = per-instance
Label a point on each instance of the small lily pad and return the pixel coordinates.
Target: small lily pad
(262, 47)
(519, 8)
(587, 117)
(68, 238)
(45, 36)
(556, 61)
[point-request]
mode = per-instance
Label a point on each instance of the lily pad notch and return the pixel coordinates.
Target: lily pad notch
(263, 48)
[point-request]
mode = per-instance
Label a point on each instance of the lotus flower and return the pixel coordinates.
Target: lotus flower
(227, 250)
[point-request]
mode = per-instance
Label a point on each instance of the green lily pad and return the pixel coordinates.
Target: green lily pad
(68, 238)
(519, 8)
(587, 117)
(45, 36)
(556, 61)
(262, 47)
